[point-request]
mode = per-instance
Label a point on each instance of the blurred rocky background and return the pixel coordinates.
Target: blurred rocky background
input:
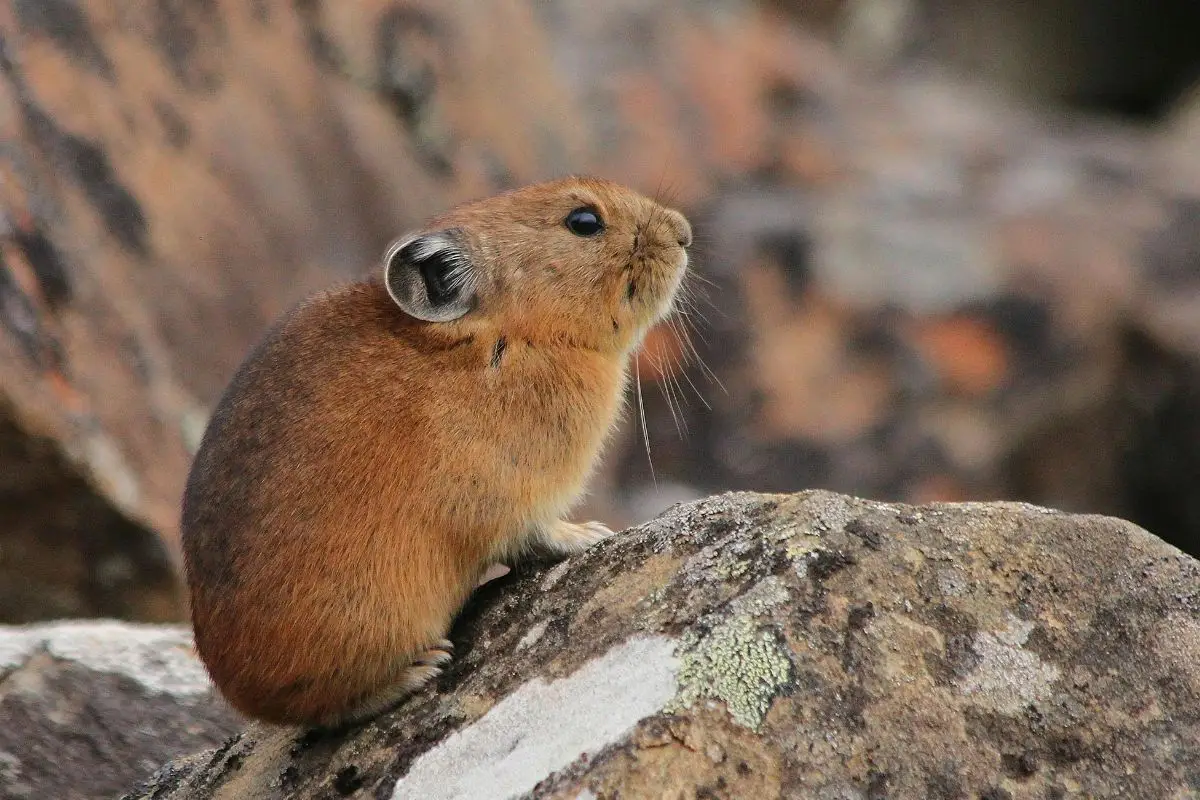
(945, 250)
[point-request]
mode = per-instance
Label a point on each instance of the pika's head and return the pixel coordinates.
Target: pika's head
(579, 260)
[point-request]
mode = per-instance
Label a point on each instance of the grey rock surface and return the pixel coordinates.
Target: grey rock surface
(88, 708)
(808, 645)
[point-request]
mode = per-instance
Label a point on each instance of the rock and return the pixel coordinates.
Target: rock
(919, 291)
(87, 708)
(65, 550)
(807, 645)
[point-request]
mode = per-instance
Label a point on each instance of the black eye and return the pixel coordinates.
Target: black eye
(584, 222)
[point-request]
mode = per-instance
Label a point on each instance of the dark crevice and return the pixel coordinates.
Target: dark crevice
(1117, 57)
(405, 46)
(64, 550)
(1159, 457)
(65, 24)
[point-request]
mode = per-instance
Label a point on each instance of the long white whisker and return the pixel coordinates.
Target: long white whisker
(691, 325)
(708, 373)
(637, 371)
(664, 386)
(683, 336)
(681, 401)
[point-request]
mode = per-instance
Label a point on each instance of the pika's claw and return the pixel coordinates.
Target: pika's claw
(415, 677)
(433, 657)
(424, 668)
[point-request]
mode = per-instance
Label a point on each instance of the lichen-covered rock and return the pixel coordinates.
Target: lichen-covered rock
(87, 708)
(808, 645)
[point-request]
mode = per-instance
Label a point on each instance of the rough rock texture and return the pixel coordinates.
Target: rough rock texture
(809, 645)
(87, 708)
(921, 292)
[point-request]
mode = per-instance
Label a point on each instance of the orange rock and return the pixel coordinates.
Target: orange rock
(967, 353)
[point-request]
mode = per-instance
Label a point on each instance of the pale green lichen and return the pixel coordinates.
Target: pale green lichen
(800, 550)
(802, 547)
(730, 567)
(737, 663)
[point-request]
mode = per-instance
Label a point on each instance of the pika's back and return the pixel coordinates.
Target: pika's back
(296, 424)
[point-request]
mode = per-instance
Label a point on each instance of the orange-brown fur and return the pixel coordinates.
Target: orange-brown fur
(364, 467)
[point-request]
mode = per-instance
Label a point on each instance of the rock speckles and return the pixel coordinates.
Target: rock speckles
(956, 650)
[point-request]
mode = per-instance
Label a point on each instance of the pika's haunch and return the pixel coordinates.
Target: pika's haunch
(387, 441)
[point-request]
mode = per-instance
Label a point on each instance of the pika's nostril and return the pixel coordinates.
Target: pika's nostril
(683, 231)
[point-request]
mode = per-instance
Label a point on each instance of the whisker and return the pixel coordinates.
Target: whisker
(695, 293)
(697, 392)
(681, 401)
(664, 386)
(696, 276)
(689, 354)
(690, 325)
(637, 371)
(695, 355)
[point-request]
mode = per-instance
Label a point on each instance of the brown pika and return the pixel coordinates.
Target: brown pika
(387, 441)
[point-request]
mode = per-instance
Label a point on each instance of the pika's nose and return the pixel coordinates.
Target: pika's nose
(683, 231)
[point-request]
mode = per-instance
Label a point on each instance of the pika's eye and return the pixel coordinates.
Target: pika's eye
(584, 222)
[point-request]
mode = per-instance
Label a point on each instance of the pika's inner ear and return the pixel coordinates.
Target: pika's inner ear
(431, 277)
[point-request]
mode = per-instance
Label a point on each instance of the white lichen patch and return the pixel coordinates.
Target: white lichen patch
(769, 593)
(543, 727)
(1008, 677)
(159, 657)
(800, 551)
(555, 574)
(730, 508)
(737, 663)
(533, 635)
(831, 511)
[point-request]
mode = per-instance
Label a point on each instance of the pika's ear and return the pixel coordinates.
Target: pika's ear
(431, 276)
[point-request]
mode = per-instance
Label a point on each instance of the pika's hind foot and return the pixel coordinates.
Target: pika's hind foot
(567, 538)
(424, 668)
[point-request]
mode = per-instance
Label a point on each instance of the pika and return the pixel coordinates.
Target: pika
(390, 439)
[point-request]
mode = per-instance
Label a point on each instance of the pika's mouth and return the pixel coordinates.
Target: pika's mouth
(653, 281)
(672, 290)
(658, 262)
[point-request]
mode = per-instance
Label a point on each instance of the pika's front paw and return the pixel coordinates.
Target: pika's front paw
(567, 538)
(596, 532)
